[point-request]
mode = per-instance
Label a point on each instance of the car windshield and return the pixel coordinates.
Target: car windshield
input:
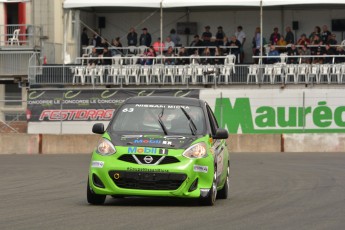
(165, 119)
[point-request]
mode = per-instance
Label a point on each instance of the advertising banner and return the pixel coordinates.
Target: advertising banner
(278, 110)
(86, 105)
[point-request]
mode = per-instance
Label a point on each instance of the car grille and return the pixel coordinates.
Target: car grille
(147, 180)
(166, 159)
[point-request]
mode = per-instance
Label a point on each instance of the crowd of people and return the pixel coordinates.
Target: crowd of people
(203, 49)
(208, 48)
(319, 43)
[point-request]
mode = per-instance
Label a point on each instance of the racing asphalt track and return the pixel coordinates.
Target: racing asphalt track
(268, 191)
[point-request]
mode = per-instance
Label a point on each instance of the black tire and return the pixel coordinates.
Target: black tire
(224, 192)
(210, 200)
(93, 198)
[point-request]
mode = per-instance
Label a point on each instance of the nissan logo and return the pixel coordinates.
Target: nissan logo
(148, 159)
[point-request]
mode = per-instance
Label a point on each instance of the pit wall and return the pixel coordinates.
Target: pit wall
(76, 144)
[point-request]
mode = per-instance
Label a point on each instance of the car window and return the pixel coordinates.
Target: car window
(145, 118)
(212, 119)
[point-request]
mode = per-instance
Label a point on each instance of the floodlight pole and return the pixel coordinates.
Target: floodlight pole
(261, 32)
(161, 49)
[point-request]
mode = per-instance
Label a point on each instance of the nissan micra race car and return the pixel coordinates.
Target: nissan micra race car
(160, 146)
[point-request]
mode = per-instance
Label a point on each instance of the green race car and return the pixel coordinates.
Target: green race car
(160, 146)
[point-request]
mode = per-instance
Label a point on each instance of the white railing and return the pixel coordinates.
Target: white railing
(20, 36)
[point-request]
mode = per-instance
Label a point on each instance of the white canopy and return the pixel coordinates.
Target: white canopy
(189, 3)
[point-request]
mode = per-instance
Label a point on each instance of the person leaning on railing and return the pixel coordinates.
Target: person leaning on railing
(304, 51)
(328, 51)
(292, 51)
(273, 55)
(183, 53)
(339, 51)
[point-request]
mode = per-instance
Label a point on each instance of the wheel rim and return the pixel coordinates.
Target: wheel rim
(214, 187)
(227, 179)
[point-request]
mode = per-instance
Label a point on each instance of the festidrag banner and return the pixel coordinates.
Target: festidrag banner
(86, 105)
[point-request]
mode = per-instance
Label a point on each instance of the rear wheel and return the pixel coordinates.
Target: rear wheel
(211, 197)
(93, 198)
(224, 192)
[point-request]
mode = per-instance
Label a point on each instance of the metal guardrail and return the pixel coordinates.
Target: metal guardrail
(20, 36)
(14, 63)
(201, 75)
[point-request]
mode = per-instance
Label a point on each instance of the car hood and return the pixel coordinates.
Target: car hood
(154, 141)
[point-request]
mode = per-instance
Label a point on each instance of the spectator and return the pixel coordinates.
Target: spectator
(106, 60)
(207, 60)
(96, 40)
(195, 57)
(293, 51)
(168, 43)
(325, 33)
(256, 41)
(93, 57)
(225, 50)
(218, 61)
(220, 36)
(328, 51)
(213, 45)
(282, 45)
(150, 53)
(145, 38)
(158, 46)
(169, 53)
(317, 31)
(241, 36)
(273, 55)
(303, 40)
(304, 51)
(332, 41)
(206, 36)
(275, 36)
(84, 38)
(234, 42)
(339, 51)
(315, 43)
(174, 37)
(132, 37)
(195, 43)
(182, 53)
(116, 43)
(289, 37)
(318, 52)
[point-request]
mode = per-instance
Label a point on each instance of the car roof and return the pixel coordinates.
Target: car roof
(165, 100)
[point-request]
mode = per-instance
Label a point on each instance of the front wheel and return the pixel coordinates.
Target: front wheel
(211, 197)
(224, 192)
(93, 198)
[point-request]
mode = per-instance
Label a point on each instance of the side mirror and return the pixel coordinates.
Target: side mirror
(98, 128)
(221, 134)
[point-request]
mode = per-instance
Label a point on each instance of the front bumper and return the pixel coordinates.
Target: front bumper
(188, 178)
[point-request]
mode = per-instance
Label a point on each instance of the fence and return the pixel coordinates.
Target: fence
(20, 36)
(14, 63)
(13, 117)
(200, 70)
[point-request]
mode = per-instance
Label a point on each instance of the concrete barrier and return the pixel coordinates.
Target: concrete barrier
(314, 142)
(254, 143)
(69, 143)
(19, 143)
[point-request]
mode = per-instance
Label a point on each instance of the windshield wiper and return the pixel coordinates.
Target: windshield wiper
(192, 125)
(161, 122)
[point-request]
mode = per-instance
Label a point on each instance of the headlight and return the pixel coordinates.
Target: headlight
(196, 151)
(105, 147)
